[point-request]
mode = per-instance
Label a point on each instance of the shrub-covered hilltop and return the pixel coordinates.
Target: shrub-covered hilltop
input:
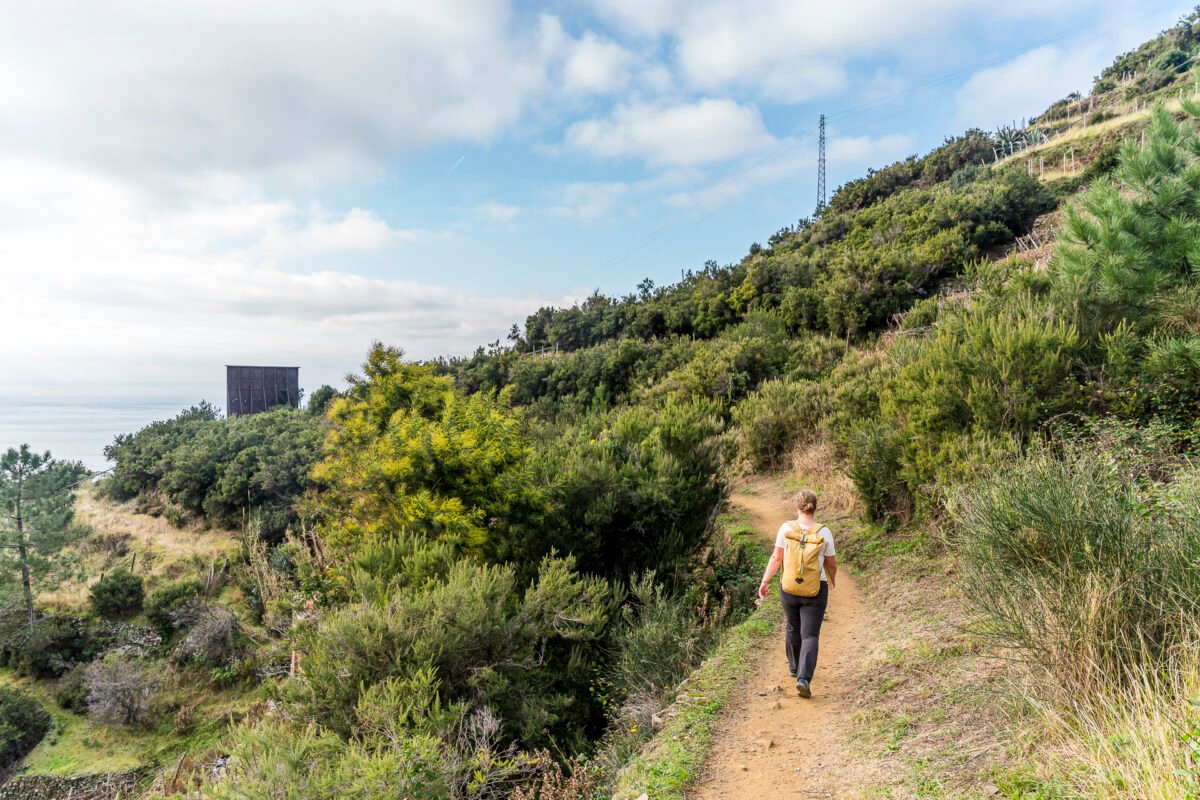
(481, 577)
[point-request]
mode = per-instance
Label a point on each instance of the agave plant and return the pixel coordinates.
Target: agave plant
(1036, 136)
(1007, 140)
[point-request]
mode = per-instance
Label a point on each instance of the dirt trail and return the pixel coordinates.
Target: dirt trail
(770, 742)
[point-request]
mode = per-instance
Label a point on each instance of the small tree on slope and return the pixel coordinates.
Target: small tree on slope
(36, 508)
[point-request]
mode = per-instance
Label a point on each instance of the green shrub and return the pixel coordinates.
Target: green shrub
(874, 451)
(852, 389)
(630, 491)
(165, 599)
(452, 755)
(205, 465)
(1082, 563)
(23, 723)
(776, 418)
(986, 378)
(489, 641)
(657, 641)
(117, 594)
(174, 516)
(71, 692)
(51, 648)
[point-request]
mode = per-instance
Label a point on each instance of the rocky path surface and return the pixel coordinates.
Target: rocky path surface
(772, 743)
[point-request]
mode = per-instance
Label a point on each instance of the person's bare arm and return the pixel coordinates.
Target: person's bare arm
(772, 567)
(831, 570)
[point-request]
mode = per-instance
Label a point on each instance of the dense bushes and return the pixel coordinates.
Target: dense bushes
(632, 491)
(1081, 558)
(117, 594)
(408, 452)
(653, 644)
(48, 649)
(780, 415)
(71, 692)
(939, 165)
(219, 469)
(167, 599)
(1110, 327)
(23, 723)
(480, 633)
(895, 239)
(470, 568)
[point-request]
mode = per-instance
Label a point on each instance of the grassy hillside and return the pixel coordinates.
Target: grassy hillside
(191, 713)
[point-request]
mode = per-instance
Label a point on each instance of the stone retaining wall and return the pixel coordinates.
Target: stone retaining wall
(102, 786)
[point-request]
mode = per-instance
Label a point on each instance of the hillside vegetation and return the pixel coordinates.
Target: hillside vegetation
(482, 577)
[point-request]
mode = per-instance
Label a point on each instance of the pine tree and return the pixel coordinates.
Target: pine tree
(36, 508)
(1135, 238)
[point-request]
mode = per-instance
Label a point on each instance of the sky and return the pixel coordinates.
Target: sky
(194, 184)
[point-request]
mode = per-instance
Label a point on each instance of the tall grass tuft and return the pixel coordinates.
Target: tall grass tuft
(1083, 562)
(1139, 739)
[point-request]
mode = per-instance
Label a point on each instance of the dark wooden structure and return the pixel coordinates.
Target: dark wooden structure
(249, 390)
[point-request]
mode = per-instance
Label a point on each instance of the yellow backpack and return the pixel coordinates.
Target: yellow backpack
(802, 560)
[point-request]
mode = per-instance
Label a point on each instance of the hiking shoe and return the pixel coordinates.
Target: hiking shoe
(802, 688)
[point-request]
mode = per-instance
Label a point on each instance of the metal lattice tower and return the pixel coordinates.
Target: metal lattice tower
(821, 167)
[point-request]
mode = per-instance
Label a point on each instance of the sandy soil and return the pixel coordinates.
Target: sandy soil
(772, 743)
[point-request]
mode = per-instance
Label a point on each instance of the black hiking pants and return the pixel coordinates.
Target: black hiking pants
(804, 616)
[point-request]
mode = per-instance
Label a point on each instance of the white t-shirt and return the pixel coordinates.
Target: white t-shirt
(827, 548)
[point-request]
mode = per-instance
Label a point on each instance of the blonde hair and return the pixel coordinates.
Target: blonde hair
(806, 501)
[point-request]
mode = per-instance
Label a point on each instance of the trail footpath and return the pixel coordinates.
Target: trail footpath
(771, 743)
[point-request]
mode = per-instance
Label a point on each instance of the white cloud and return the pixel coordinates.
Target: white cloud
(322, 233)
(792, 160)
(874, 150)
(641, 17)
(164, 166)
(589, 200)
(1026, 84)
(686, 134)
(156, 293)
(296, 90)
(498, 213)
(165, 163)
(795, 50)
(597, 65)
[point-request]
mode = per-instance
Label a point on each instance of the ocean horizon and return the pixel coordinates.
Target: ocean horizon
(78, 431)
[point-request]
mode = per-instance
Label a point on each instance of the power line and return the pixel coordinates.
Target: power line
(91, 477)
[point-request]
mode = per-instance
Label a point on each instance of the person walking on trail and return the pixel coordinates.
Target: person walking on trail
(804, 547)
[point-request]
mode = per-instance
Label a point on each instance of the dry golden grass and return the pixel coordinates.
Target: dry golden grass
(122, 537)
(817, 464)
(1142, 740)
(1080, 133)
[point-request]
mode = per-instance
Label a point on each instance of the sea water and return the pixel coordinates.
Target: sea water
(78, 430)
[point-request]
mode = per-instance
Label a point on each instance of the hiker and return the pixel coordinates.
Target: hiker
(802, 546)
